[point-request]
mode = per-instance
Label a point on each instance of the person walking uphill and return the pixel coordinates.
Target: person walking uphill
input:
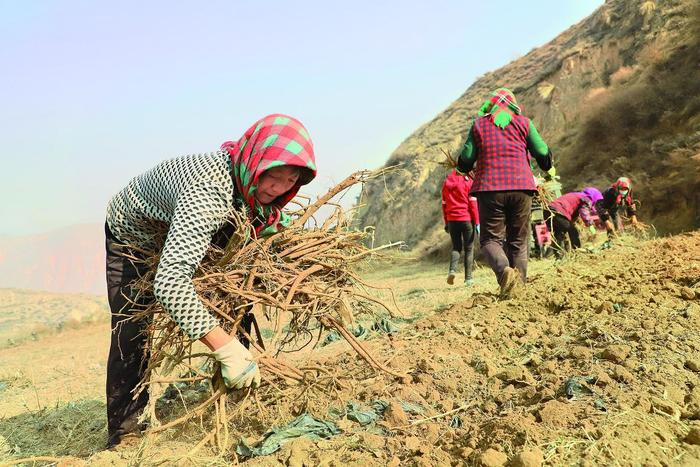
(461, 216)
(498, 143)
(193, 195)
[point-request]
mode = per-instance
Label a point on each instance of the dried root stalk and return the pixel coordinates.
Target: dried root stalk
(300, 279)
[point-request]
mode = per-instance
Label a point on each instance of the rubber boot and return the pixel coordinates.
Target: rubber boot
(511, 283)
(454, 260)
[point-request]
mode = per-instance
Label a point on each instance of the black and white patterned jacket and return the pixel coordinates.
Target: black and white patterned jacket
(192, 194)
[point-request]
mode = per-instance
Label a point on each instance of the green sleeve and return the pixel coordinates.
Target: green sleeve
(469, 153)
(538, 148)
(535, 143)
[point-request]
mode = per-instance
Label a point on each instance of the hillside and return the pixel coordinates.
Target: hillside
(614, 94)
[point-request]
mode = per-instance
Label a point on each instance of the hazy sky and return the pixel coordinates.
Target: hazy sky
(93, 93)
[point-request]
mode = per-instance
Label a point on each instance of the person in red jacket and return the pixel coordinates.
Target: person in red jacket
(561, 218)
(461, 215)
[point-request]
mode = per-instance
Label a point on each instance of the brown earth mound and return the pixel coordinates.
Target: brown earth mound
(598, 362)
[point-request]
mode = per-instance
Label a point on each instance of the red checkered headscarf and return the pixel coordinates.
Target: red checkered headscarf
(273, 141)
(501, 107)
(623, 183)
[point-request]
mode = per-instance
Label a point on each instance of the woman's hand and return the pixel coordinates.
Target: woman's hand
(237, 366)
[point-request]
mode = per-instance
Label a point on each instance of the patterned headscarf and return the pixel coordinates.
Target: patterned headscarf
(623, 183)
(273, 141)
(501, 106)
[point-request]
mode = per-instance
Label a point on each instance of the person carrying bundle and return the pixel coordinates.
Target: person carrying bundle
(193, 197)
(500, 139)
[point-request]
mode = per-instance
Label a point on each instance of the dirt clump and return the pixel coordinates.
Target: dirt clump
(693, 436)
(687, 293)
(395, 415)
(616, 353)
(529, 458)
(492, 458)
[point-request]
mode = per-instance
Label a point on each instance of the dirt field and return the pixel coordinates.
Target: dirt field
(597, 364)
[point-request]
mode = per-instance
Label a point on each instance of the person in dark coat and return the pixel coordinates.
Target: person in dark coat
(617, 197)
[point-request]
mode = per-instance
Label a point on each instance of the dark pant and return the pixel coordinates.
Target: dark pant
(128, 357)
(462, 235)
(504, 218)
(610, 213)
(560, 227)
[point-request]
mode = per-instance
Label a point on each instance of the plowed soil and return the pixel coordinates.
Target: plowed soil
(597, 363)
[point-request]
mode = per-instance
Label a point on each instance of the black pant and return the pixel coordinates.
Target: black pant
(128, 357)
(609, 213)
(505, 223)
(561, 227)
(462, 235)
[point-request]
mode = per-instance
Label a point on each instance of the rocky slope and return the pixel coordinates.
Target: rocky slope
(614, 94)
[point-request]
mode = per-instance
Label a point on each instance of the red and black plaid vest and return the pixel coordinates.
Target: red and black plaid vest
(502, 162)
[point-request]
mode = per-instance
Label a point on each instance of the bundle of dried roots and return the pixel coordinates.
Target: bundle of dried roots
(300, 281)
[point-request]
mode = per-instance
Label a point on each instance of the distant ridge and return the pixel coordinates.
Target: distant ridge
(68, 260)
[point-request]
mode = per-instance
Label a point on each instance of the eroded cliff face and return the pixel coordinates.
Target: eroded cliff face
(568, 87)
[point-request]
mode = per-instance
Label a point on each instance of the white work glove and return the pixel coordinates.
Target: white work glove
(237, 366)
